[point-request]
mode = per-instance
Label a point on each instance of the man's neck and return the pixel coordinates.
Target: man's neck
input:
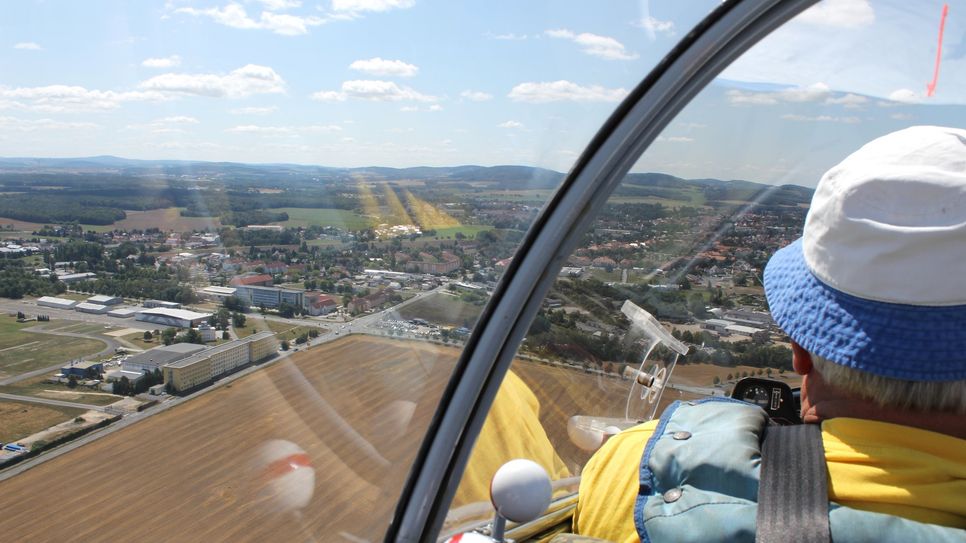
(823, 401)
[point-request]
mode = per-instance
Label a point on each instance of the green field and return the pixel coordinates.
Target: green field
(21, 351)
(442, 309)
(305, 217)
(468, 230)
(38, 388)
(22, 419)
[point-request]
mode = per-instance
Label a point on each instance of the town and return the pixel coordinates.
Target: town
(164, 303)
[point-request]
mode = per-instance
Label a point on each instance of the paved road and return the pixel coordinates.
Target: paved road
(48, 401)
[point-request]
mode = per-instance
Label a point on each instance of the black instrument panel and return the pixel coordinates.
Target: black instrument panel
(782, 404)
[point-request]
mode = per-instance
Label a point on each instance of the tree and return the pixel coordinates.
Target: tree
(285, 345)
(238, 320)
(71, 382)
(314, 333)
(225, 335)
(192, 336)
(148, 336)
(167, 337)
(303, 338)
(233, 303)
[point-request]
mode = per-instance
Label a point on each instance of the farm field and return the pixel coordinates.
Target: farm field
(21, 351)
(442, 309)
(21, 419)
(339, 218)
(168, 218)
(205, 478)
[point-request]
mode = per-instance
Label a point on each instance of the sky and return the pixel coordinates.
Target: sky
(401, 83)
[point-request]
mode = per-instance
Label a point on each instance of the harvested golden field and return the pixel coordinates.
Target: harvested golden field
(21, 419)
(355, 410)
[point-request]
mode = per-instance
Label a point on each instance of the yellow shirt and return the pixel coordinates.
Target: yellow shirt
(873, 466)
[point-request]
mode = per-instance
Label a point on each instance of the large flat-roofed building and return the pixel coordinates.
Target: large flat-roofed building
(85, 307)
(82, 369)
(57, 303)
(206, 366)
(152, 359)
(217, 294)
(269, 297)
(75, 277)
(123, 312)
(181, 318)
(101, 299)
(161, 303)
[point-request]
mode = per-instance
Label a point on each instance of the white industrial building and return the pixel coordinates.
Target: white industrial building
(152, 359)
(57, 303)
(180, 318)
(123, 312)
(161, 303)
(85, 307)
(217, 294)
(101, 299)
(74, 277)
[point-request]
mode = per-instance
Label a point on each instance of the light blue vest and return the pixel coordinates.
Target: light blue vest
(699, 482)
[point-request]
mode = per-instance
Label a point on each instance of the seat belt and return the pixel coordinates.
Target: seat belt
(793, 486)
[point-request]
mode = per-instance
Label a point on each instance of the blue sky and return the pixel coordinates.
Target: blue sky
(418, 82)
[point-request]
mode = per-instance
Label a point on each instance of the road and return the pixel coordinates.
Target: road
(48, 401)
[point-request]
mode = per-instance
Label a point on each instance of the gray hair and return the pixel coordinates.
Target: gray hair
(949, 396)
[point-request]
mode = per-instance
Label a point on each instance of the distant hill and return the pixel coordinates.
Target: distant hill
(641, 185)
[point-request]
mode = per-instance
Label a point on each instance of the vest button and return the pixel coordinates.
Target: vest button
(681, 435)
(672, 495)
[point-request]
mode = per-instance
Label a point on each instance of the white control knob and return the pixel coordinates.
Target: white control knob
(520, 490)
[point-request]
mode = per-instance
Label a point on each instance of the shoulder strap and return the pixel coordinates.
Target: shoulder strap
(793, 486)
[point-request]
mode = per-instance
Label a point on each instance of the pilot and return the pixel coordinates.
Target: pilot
(873, 297)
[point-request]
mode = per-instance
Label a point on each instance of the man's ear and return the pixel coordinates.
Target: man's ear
(801, 360)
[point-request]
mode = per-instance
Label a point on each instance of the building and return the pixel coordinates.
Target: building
(208, 333)
(260, 280)
(217, 294)
(319, 304)
(75, 277)
(717, 325)
(85, 307)
(123, 312)
(105, 300)
(152, 359)
(133, 377)
(179, 318)
(161, 303)
(269, 297)
(370, 302)
(57, 303)
(82, 369)
(204, 367)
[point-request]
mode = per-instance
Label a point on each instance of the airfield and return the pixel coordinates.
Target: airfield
(358, 407)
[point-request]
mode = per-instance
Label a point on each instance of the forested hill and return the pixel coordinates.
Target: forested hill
(98, 190)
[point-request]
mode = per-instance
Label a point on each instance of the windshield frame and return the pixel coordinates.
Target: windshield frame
(727, 32)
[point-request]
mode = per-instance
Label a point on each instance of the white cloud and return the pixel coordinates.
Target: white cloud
(253, 110)
(839, 14)
(60, 98)
(162, 62)
(556, 91)
(675, 139)
(593, 44)
(436, 107)
(256, 129)
(409, 109)
(821, 119)
(234, 15)
(655, 26)
(31, 125)
(811, 93)
(28, 46)
(245, 81)
(476, 96)
(374, 90)
(511, 124)
(905, 96)
(177, 119)
(280, 5)
(507, 37)
(379, 66)
(848, 100)
(359, 6)
(902, 116)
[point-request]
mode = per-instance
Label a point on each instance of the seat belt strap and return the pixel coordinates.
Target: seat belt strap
(793, 486)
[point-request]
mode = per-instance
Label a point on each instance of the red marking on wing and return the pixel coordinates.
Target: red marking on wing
(931, 86)
(285, 465)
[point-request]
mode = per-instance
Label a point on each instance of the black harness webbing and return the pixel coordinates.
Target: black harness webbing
(793, 486)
